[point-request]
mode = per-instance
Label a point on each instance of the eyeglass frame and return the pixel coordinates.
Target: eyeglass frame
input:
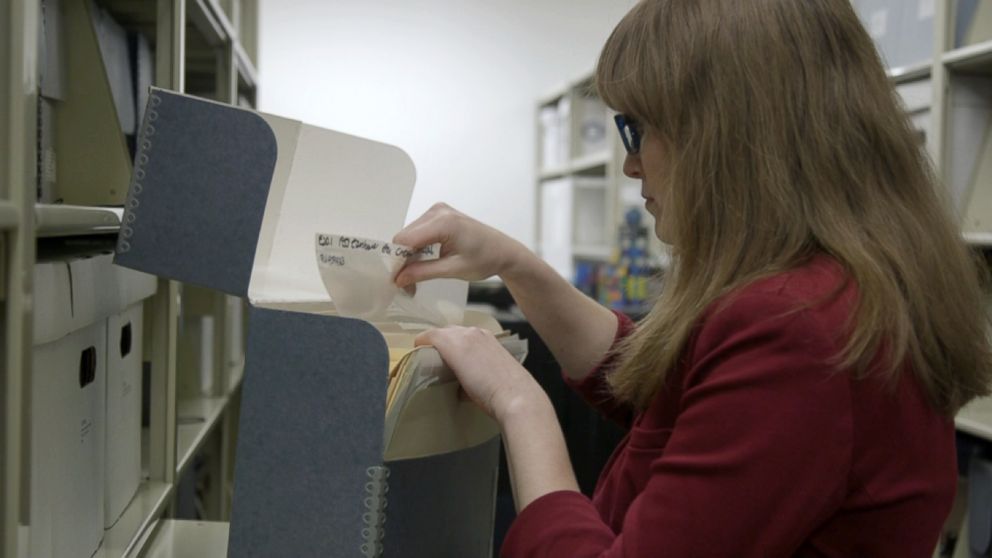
(626, 125)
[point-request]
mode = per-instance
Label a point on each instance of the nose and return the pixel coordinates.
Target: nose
(632, 166)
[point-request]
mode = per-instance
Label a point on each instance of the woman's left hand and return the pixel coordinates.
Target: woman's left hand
(488, 373)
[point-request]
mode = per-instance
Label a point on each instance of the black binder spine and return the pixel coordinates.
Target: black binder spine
(374, 517)
(144, 147)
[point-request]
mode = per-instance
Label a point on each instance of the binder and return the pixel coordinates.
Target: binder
(230, 199)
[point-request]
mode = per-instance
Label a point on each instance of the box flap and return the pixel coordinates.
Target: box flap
(222, 197)
(339, 184)
(198, 191)
(312, 413)
(442, 505)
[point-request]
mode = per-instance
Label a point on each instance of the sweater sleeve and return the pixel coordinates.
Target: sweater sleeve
(758, 456)
(593, 388)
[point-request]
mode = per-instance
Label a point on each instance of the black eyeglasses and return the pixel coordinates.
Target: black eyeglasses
(630, 133)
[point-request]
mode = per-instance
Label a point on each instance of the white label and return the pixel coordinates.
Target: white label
(878, 23)
(358, 274)
(365, 245)
(926, 9)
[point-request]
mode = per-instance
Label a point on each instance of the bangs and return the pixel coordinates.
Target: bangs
(629, 66)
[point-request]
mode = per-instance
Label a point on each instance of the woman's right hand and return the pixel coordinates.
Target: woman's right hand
(470, 250)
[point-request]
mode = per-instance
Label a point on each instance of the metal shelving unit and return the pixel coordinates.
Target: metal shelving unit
(211, 46)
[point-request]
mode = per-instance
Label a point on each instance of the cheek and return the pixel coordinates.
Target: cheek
(662, 211)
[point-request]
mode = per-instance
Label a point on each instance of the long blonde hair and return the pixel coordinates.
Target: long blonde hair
(787, 140)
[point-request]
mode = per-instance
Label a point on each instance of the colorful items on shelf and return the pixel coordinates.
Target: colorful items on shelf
(624, 282)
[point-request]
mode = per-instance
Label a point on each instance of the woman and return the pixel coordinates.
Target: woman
(792, 392)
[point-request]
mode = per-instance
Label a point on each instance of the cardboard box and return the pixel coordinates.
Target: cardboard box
(86, 400)
(115, 295)
(67, 420)
(232, 200)
(123, 416)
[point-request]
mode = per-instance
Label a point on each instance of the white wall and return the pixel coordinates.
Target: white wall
(452, 82)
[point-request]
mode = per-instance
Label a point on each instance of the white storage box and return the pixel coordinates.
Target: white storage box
(85, 401)
(115, 294)
(67, 416)
(123, 461)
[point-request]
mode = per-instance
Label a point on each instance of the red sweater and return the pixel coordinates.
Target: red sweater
(759, 447)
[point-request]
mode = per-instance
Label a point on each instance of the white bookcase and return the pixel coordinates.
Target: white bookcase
(203, 47)
(581, 191)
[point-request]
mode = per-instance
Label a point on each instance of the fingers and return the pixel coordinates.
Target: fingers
(415, 272)
(424, 338)
(433, 226)
(435, 209)
(453, 336)
(423, 234)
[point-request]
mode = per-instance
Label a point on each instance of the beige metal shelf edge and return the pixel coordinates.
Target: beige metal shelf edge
(913, 72)
(592, 252)
(202, 414)
(578, 165)
(70, 220)
(969, 57)
(147, 505)
(247, 73)
(210, 21)
(197, 417)
(180, 539)
(590, 161)
(976, 418)
(978, 239)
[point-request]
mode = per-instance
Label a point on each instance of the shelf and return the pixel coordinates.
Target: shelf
(553, 96)
(195, 419)
(189, 539)
(976, 418)
(913, 72)
(146, 506)
(235, 375)
(590, 162)
(203, 15)
(581, 165)
(247, 74)
(978, 239)
(550, 174)
(592, 252)
(977, 58)
(71, 220)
